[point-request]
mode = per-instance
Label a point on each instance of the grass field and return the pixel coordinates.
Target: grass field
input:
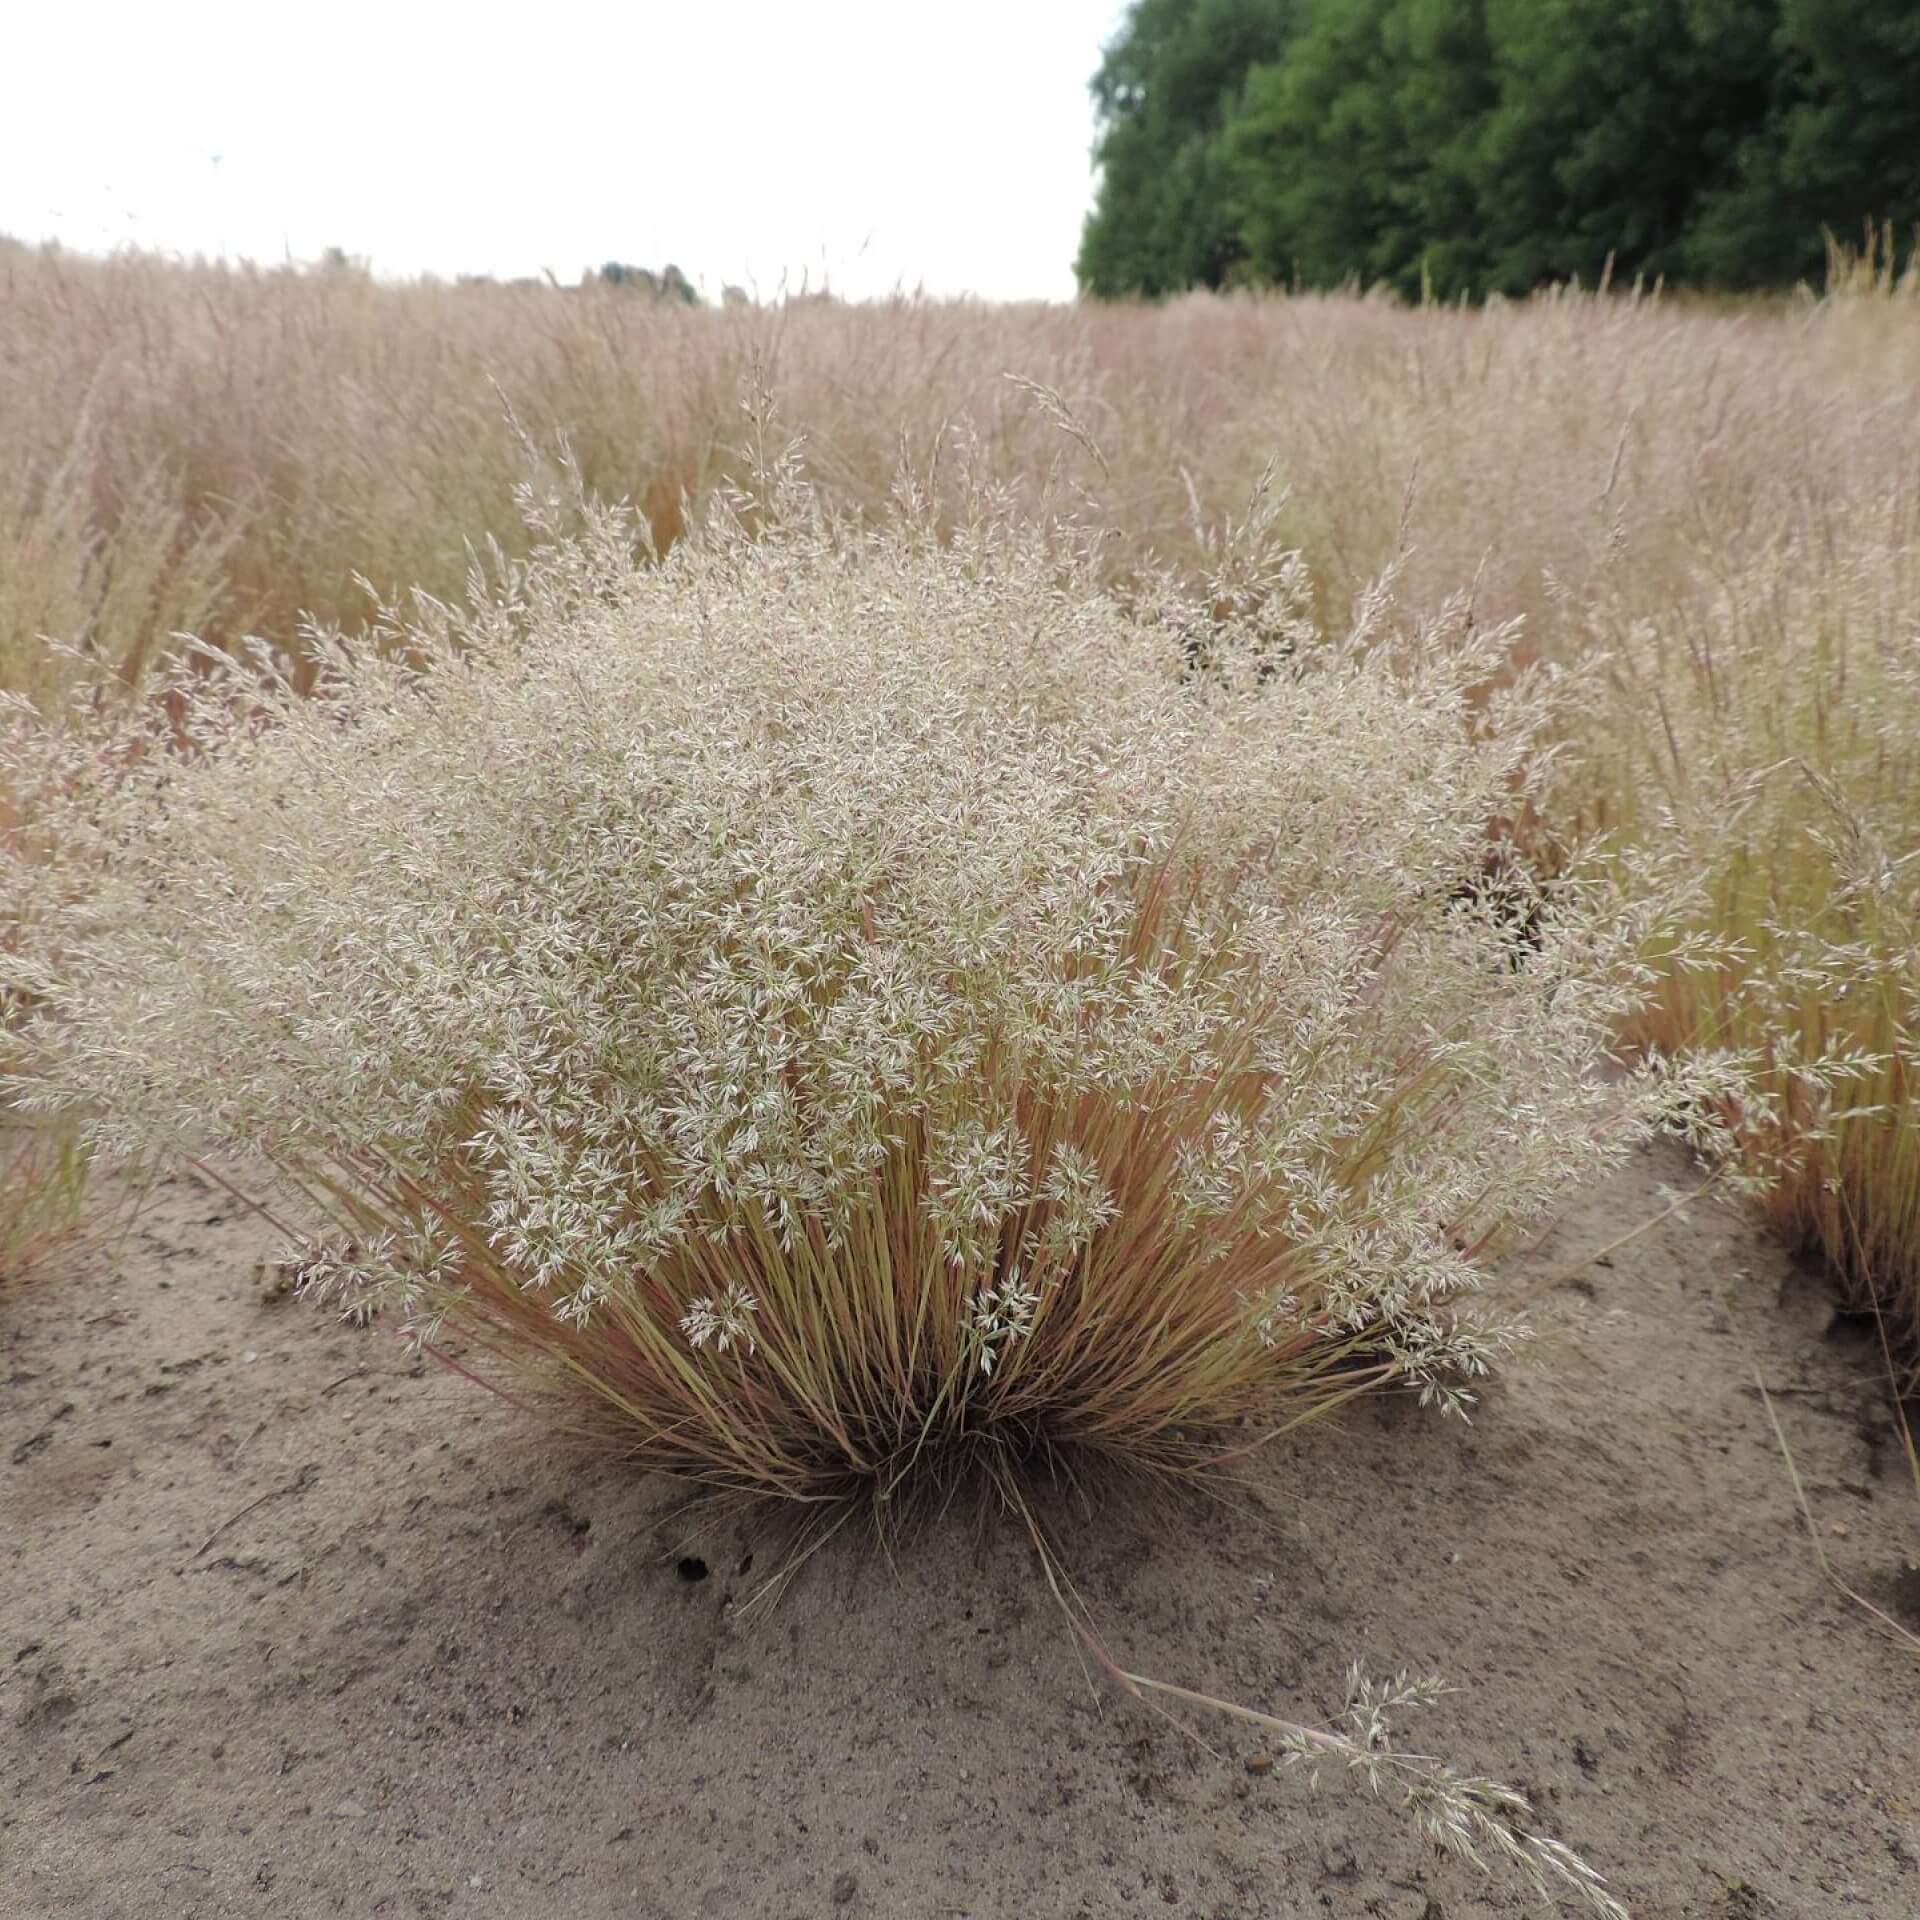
(1711, 512)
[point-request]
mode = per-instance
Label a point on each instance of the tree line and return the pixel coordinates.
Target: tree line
(1453, 147)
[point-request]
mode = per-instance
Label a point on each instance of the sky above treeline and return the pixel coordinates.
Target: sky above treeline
(874, 145)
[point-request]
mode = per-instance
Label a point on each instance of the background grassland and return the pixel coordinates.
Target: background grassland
(1720, 502)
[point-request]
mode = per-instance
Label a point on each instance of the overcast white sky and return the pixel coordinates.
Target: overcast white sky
(885, 142)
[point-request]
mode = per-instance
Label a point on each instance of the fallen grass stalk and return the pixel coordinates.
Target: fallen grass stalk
(1477, 1820)
(1562, 1274)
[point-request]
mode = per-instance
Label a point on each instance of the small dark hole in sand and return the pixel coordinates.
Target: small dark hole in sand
(691, 1567)
(746, 1564)
(1850, 1329)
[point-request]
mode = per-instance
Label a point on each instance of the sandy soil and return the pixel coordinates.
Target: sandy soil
(289, 1628)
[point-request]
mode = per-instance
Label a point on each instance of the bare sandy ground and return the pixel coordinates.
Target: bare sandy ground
(287, 1628)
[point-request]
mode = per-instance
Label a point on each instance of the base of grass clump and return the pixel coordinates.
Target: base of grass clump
(853, 1358)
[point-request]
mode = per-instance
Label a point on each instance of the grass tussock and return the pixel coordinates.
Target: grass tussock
(1775, 733)
(835, 1009)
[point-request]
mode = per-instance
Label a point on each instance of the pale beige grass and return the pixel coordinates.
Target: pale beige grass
(1726, 500)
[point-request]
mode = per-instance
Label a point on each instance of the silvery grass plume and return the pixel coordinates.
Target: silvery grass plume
(835, 1009)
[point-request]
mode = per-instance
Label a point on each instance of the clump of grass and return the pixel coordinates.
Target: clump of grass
(1775, 734)
(1873, 270)
(835, 1003)
(833, 1012)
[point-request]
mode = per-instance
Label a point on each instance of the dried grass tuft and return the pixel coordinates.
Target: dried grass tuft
(836, 1009)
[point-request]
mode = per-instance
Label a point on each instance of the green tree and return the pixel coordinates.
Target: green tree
(1477, 146)
(1840, 145)
(1355, 155)
(1166, 86)
(1613, 119)
(668, 284)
